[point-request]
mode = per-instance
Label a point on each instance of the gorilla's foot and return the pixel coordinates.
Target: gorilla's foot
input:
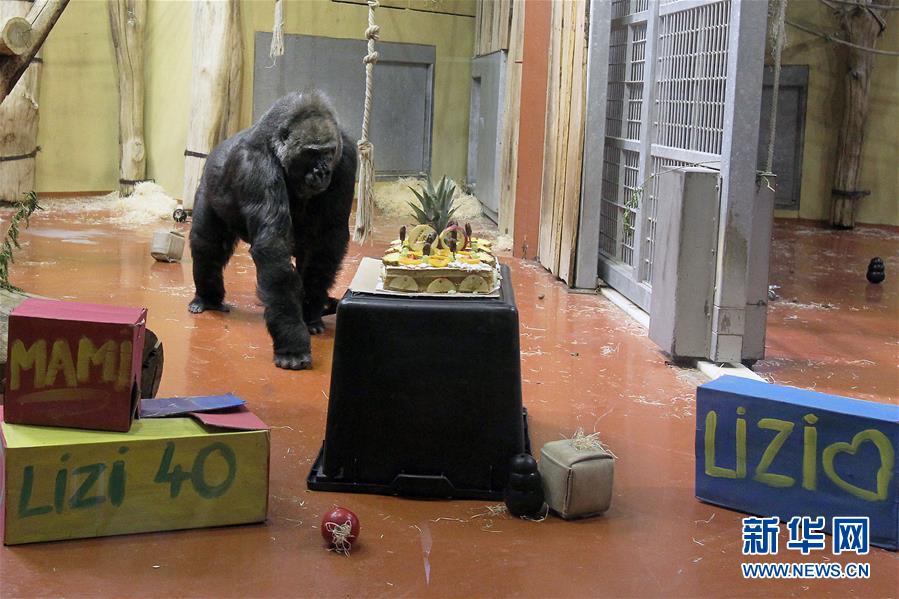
(199, 305)
(315, 327)
(288, 361)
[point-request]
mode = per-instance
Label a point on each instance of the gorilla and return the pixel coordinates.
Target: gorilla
(285, 186)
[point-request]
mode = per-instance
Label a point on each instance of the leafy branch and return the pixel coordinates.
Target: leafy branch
(24, 209)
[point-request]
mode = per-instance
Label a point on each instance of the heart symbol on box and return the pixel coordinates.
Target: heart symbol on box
(884, 473)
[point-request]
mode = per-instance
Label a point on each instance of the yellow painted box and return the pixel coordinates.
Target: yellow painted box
(165, 474)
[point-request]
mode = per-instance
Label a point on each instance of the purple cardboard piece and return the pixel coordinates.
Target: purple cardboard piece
(174, 406)
(239, 418)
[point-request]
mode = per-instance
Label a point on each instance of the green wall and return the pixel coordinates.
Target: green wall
(827, 67)
(79, 130)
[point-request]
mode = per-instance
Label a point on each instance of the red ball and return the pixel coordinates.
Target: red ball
(340, 528)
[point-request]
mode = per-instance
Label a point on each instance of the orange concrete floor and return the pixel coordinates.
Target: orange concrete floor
(829, 329)
(584, 364)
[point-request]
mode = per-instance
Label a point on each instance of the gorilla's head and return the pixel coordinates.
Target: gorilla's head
(307, 141)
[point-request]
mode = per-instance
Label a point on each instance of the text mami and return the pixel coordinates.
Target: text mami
(809, 471)
(49, 361)
(87, 486)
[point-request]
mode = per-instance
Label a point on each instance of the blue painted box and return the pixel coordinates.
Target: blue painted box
(772, 450)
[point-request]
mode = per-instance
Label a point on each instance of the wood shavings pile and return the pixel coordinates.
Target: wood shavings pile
(392, 199)
(147, 205)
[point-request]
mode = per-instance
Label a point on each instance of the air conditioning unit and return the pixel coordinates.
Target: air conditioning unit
(684, 320)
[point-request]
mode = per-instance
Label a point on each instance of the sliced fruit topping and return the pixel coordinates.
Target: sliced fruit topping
(419, 233)
(441, 285)
(402, 283)
(453, 232)
(438, 261)
(474, 284)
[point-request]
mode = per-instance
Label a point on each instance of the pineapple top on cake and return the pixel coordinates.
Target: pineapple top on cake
(438, 255)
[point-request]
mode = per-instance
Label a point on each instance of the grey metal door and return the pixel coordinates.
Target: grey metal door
(403, 103)
(484, 144)
(673, 88)
(790, 135)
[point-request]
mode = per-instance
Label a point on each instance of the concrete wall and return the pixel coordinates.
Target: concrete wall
(79, 130)
(827, 67)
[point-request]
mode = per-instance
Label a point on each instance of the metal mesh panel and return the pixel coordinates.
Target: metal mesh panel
(676, 64)
(608, 219)
(692, 78)
(618, 214)
(623, 8)
(650, 209)
(617, 74)
(635, 80)
(629, 205)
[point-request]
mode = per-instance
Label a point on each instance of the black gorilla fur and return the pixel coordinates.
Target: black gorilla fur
(285, 186)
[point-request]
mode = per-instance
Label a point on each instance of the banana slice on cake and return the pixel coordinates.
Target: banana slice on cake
(474, 284)
(402, 283)
(441, 285)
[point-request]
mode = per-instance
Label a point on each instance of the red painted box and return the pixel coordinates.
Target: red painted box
(74, 365)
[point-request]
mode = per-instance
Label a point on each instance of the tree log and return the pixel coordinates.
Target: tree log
(214, 99)
(42, 16)
(861, 26)
(235, 76)
(511, 117)
(127, 21)
(15, 35)
(19, 122)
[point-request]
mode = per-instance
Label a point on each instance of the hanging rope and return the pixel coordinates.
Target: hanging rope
(777, 45)
(365, 186)
(277, 48)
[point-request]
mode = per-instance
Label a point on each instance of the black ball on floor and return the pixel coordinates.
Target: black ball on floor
(876, 272)
(524, 491)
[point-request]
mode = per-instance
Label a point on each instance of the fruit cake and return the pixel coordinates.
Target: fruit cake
(451, 261)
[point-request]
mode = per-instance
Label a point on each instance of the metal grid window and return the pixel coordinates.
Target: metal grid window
(692, 78)
(623, 8)
(668, 68)
(635, 80)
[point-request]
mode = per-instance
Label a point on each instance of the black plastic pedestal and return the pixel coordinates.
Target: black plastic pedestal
(425, 397)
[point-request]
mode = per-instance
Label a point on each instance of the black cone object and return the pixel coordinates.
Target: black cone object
(876, 272)
(524, 491)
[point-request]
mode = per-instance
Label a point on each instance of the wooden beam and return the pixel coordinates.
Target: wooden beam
(42, 16)
(19, 122)
(564, 143)
(571, 204)
(127, 21)
(15, 35)
(511, 119)
(212, 91)
(552, 140)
